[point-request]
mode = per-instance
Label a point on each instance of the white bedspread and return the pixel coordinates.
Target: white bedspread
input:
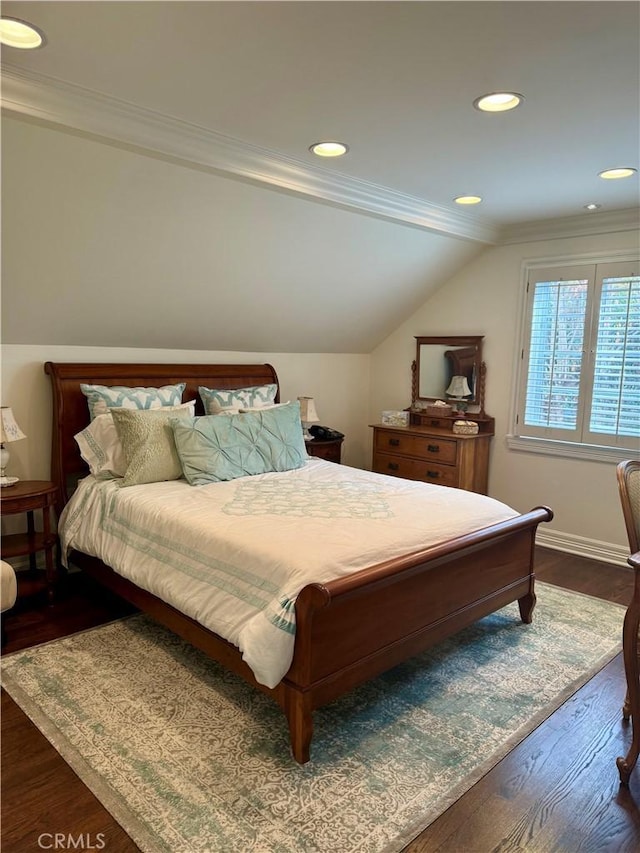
(235, 555)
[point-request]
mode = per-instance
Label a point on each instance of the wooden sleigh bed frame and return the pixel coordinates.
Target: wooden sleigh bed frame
(350, 629)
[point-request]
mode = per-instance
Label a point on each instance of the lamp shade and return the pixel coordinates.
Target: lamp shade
(9, 429)
(308, 414)
(459, 387)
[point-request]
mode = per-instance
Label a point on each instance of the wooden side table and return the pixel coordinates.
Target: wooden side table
(329, 450)
(26, 496)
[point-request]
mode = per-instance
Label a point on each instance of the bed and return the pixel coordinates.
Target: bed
(350, 628)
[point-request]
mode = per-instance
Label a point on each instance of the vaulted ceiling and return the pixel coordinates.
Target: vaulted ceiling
(239, 90)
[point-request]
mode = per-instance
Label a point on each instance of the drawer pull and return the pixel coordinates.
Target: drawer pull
(433, 448)
(394, 442)
(393, 466)
(433, 474)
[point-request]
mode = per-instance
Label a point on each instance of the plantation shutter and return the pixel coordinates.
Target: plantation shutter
(615, 398)
(558, 305)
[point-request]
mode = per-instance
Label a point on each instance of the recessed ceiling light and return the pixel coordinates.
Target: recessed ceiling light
(17, 33)
(498, 102)
(592, 206)
(468, 199)
(620, 172)
(329, 149)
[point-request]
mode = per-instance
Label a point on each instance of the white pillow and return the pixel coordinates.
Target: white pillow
(101, 448)
(255, 409)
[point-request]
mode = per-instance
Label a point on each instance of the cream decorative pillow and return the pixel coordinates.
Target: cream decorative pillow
(101, 398)
(148, 444)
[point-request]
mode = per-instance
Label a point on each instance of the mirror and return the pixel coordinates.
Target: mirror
(440, 358)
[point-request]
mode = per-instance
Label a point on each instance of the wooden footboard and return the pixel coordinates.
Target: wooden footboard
(354, 628)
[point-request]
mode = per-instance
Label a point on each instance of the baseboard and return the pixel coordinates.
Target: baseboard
(580, 546)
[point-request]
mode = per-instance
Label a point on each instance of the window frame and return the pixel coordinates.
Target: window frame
(578, 443)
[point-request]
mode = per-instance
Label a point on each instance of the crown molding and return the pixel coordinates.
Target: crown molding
(582, 225)
(54, 101)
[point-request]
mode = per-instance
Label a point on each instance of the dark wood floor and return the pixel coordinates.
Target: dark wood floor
(557, 791)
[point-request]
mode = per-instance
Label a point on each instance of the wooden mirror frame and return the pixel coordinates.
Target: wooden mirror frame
(474, 366)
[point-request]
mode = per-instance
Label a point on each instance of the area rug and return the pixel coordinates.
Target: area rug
(187, 757)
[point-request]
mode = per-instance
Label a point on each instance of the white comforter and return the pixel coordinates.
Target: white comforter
(235, 555)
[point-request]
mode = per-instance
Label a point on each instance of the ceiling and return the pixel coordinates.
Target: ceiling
(244, 88)
(395, 80)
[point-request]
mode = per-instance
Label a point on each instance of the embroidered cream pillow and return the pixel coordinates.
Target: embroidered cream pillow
(148, 444)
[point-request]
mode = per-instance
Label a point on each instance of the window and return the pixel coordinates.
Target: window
(579, 377)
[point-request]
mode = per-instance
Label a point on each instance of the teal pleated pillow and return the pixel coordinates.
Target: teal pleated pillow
(212, 449)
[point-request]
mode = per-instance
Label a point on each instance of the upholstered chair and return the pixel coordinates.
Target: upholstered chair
(8, 590)
(628, 474)
(629, 487)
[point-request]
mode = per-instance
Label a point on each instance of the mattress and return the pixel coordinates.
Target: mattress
(234, 555)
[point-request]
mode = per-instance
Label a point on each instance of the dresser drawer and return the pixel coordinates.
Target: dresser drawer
(428, 447)
(415, 469)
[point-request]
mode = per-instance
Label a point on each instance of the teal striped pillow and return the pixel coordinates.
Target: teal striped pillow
(217, 402)
(102, 398)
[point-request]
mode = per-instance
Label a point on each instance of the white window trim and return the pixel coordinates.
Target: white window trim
(572, 449)
(546, 446)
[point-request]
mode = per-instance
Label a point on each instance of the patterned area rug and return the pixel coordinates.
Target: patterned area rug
(188, 758)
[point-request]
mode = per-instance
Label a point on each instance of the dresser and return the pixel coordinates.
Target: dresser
(433, 454)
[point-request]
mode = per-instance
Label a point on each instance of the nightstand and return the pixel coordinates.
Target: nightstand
(26, 496)
(329, 450)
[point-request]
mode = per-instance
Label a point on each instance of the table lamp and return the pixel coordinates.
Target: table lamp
(458, 389)
(9, 431)
(308, 415)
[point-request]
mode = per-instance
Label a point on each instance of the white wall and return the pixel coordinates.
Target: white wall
(484, 298)
(107, 246)
(26, 388)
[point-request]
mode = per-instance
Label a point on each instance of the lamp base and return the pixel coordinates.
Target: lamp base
(459, 406)
(8, 481)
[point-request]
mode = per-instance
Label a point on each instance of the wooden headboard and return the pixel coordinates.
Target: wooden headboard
(71, 411)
